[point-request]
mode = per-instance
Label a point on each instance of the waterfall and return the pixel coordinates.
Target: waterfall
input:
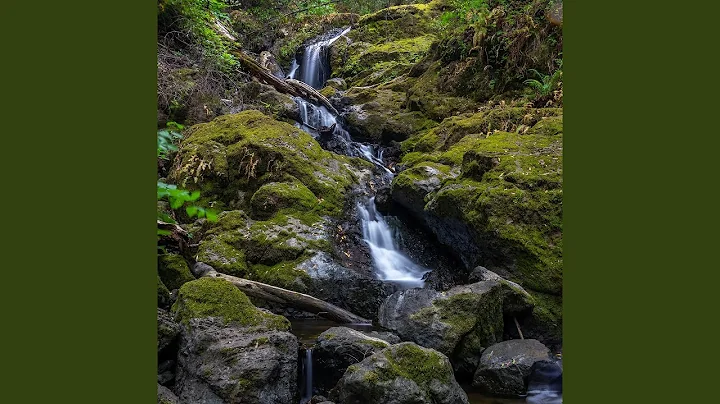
(315, 67)
(391, 264)
(307, 388)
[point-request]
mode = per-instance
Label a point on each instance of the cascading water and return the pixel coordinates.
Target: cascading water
(315, 69)
(390, 263)
(307, 389)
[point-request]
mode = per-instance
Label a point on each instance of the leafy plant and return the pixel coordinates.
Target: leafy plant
(546, 84)
(177, 198)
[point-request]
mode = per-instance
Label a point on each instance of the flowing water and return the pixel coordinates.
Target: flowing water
(390, 264)
(307, 387)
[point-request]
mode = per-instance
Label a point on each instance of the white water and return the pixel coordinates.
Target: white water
(314, 68)
(390, 263)
(307, 392)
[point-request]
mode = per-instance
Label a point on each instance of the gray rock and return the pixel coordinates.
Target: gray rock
(385, 336)
(504, 368)
(459, 323)
(516, 300)
(336, 349)
(401, 374)
(165, 396)
(167, 329)
(219, 363)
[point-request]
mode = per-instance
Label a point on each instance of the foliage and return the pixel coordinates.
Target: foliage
(177, 198)
(464, 12)
(546, 83)
(196, 20)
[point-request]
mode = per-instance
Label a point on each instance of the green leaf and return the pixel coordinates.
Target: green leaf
(191, 210)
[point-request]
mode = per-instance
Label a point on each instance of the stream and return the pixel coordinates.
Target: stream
(389, 263)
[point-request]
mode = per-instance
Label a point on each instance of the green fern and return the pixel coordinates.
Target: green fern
(546, 83)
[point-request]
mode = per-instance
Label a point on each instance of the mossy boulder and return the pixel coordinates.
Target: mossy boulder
(173, 271)
(378, 115)
(166, 396)
(267, 251)
(336, 349)
(460, 323)
(401, 374)
(230, 350)
(220, 299)
(275, 196)
(504, 210)
(231, 157)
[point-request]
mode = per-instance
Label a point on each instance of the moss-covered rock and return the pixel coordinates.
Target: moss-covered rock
(231, 157)
(229, 349)
(336, 349)
(275, 196)
(267, 251)
(506, 204)
(404, 373)
(379, 115)
(459, 323)
(505, 367)
(173, 271)
(218, 298)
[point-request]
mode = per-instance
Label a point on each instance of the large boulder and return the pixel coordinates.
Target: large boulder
(336, 349)
(504, 368)
(488, 185)
(459, 323)
(231, 351)
(401, 374)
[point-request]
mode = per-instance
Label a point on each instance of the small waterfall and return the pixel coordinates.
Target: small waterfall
(307, 387)
(293, 70)
(315, 67)
(391, 264)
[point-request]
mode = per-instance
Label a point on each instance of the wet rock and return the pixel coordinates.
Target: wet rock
(459, 323)
(167, 329)
(401, 374)
(336, 349)
(504, 368)
(230, 351)
(166, 396)
(337, 83)
(356, 291)
(386, 336)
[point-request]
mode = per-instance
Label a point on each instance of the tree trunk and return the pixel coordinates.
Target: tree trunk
(283, 296)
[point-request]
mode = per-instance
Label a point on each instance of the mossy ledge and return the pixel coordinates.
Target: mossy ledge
(218, 298)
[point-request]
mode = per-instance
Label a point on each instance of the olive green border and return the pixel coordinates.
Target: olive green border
(78, 287)
(79, 283)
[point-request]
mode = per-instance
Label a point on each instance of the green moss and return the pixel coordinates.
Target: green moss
(174, 270)
(229, 158)
(409, 361)
(284, 274)
(274, 196)
(212, 297)
(547, 127)
(163, 294)
(219, 252)
(375, 343)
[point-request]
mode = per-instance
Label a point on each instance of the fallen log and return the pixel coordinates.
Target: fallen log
(312, 93)
(282, 296)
